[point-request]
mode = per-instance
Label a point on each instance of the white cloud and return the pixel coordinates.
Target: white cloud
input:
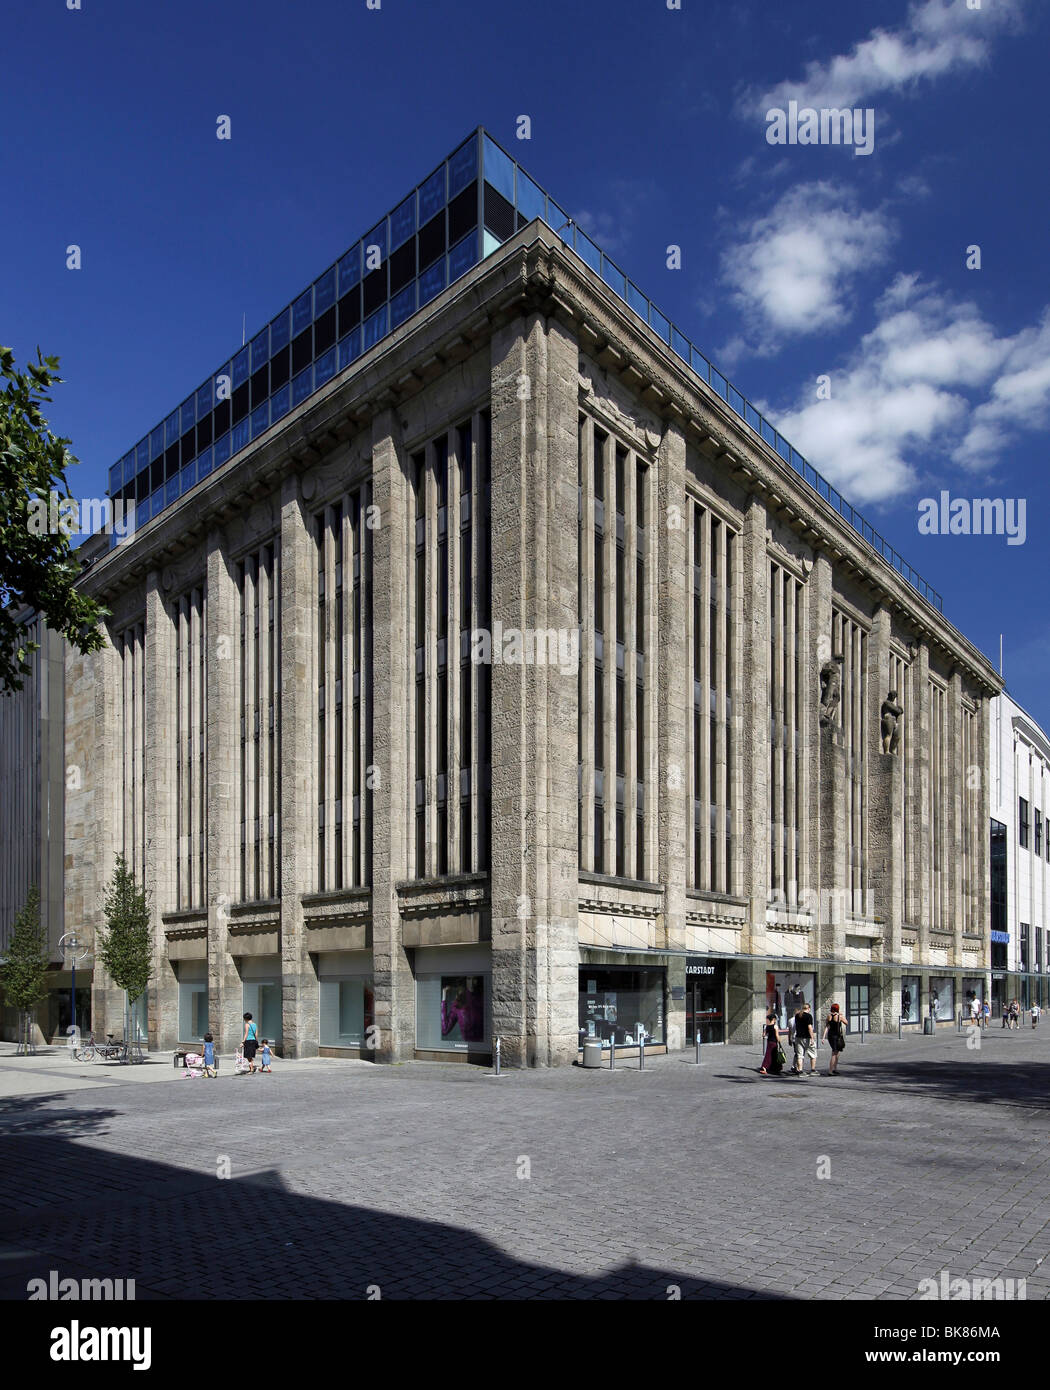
(1019, 399)
(937, 37)
(790, 270)
(930, 379)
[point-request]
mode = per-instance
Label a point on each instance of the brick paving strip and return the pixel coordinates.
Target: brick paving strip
(346, 1176)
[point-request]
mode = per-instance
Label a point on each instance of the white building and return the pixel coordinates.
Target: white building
(1020, 858)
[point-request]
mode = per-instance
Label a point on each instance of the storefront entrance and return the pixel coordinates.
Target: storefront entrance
(705, 993)
(858, 1003)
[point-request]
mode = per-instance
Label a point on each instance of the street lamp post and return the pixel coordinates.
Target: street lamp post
(70, 946)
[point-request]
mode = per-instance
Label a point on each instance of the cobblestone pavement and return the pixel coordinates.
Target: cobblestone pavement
(433, 1180)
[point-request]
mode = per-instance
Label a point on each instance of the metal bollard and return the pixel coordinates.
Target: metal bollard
(612, 1052)
(497, 1057)
(862, 1028)
(641, 1051)
(900, 1028)
(698, 1047)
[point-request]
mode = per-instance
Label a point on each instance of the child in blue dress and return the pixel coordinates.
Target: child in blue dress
(208, 1053)
(264, 1056)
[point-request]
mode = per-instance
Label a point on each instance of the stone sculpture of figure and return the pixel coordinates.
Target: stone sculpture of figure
(830, 689)
(891, 732)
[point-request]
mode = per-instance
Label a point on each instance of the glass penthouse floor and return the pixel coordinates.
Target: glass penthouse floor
(473, 202)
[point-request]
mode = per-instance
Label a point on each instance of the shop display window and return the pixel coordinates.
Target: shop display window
(615, 1001)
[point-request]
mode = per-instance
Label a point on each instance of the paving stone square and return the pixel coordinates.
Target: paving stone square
(348, 1179)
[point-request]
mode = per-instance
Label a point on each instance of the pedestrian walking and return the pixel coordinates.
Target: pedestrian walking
(1015, 1014)
(1035, 1014)
(835, 1037)
(265, 1057)
(208, 1053)
(770, 1060)
(805, 1041)
(975, 1010)
(1006, 1014)
(986, 1014)
(250, 1042)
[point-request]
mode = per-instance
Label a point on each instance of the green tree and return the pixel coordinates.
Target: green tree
(37, 564)
(24, 972)
(125, 944)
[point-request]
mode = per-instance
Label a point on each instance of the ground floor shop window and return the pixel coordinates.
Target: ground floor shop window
(60, 1012)
(972, 993)
(618, 1001)
(138, 1019)
(787, 991)
(193, 1000)
(452, 1011)
(910, 994)
(262, 999)
(347, 1012)
(941, 1005)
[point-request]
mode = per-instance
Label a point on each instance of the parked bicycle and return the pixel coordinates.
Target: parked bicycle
(112, 1050)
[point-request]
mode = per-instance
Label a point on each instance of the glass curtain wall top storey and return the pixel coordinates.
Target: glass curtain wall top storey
(466, 209)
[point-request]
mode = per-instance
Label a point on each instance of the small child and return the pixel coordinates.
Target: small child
(1035, 1014)
(265, 1058)
(208, 1051)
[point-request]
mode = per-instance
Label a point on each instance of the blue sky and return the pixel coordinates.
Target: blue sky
(649, 126)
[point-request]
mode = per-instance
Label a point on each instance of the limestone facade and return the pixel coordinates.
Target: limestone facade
(492, 671)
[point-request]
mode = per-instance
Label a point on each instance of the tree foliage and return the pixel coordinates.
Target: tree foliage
(125, 944)
(24, 972)
(37, 567)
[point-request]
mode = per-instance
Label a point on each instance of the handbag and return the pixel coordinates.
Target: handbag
(779, 1059)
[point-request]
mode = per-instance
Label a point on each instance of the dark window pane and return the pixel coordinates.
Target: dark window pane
(188, 445)
(302, 351)
(279, 369)
(499, 214)
(171, 462)
(260, 385)
(324, 331)
(374, 290)
(240, 403)
(431, 240)
(402, 266)
(204, 431)
(222, 418)
(349, 312)
(462, 213)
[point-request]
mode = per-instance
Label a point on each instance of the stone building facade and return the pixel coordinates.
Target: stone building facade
(32, 789)
(480, 696)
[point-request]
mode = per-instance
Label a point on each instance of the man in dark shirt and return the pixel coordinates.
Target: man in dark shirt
(805, 1040)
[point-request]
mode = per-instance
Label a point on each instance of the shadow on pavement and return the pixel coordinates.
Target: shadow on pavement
(184, 1234)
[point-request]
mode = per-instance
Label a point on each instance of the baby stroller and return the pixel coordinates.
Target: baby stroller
(241, 1066)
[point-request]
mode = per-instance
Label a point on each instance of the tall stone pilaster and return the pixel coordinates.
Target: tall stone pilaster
(674, 781)
(751, 729)
(298, 801)
(534, 885)
(392, 802)
(105, 773)
(221, 800)
(161, 820)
